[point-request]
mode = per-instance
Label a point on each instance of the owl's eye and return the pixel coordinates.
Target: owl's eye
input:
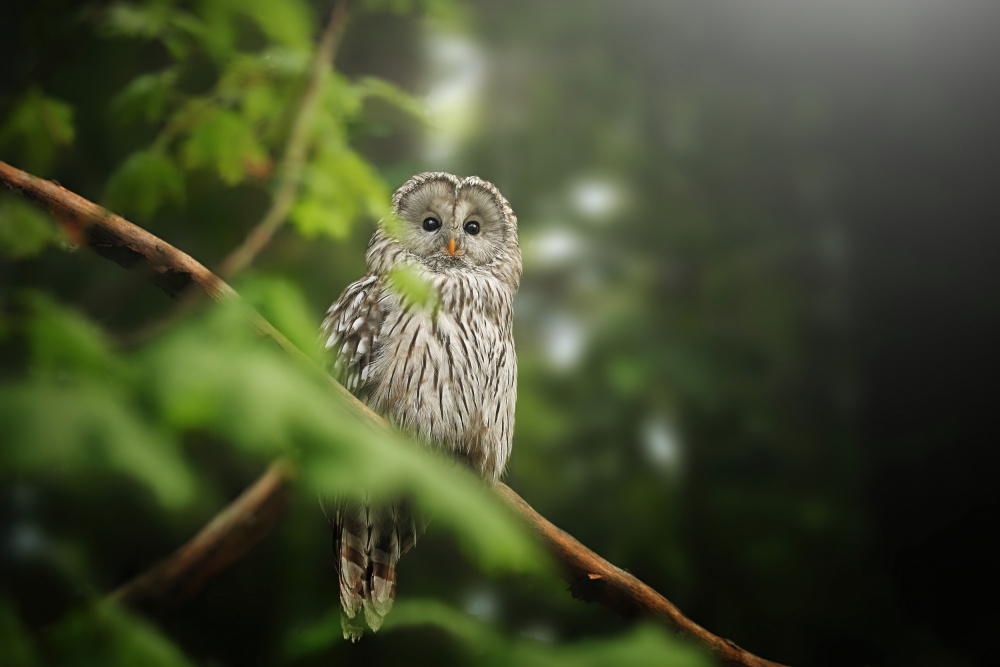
(430, 224)
(472, 227)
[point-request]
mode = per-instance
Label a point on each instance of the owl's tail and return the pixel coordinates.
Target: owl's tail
(368, 540)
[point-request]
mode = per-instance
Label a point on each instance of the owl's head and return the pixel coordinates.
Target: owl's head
(446, 222)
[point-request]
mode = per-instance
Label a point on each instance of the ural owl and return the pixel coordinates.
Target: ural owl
(445, 373)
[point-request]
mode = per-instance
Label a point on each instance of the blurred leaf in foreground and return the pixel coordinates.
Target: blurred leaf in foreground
(216, 376)
(25, 230)
(485, 645)
(105, 634)
(282, 304)
(64, 342)
(85, 431)
(17, 648)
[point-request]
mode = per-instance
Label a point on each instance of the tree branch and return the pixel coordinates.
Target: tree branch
(225, 539)
(293, 162)
(593, 579)
(248, 519)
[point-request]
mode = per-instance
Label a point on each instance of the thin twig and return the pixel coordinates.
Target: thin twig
(591, 577)
(293, 162)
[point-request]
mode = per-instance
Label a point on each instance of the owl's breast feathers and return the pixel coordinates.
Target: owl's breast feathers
(446, 373)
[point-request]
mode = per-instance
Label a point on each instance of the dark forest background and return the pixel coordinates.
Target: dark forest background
(756, 333)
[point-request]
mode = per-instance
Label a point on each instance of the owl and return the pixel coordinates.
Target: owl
(443, 371)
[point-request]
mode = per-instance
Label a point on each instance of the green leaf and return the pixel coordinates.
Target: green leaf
(64, 342)
(315, 638)
(282, 304)
(88, 429)
(314, 217)
(264, 68)
(225, 141)
(397, 97)
(185, 31)
(220, 29)
(148, 20)
(288, 22)
(213, 376)
(146, 96)
(351, 458)
(145, 181)
(260, 102)
(416, 612)
(25, 229)
(410, 283)
(342, 100)
(77, 414)
(339, 187)
(178, 30)
(226, 385)
(646, 645)
(106, 634)
(446, 11)
(18, 649)
(38, 125)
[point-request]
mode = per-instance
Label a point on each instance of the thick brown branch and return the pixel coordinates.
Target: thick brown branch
(293, 162)
(591, 577)
(114, 238)
(227, 537)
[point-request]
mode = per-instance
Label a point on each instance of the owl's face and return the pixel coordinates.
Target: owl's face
(445, 221)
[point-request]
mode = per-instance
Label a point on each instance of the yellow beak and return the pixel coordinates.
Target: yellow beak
(451, 246)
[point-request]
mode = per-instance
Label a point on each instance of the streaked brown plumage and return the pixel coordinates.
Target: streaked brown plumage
(445, 372)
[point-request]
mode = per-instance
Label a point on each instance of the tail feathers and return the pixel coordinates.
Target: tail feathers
(350, 549)
(354, 628)
(368, 542)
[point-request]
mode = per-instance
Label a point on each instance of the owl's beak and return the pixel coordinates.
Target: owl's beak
(451, 246)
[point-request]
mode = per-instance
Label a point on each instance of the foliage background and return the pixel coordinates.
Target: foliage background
(756, 332)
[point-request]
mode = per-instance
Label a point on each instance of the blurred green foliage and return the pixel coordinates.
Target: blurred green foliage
(26, 229)
(37, 127)
(101, 633)
(236, 122)
(483, 645)
(126, 414)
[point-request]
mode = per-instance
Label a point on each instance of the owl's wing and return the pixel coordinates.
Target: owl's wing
(351, 332)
